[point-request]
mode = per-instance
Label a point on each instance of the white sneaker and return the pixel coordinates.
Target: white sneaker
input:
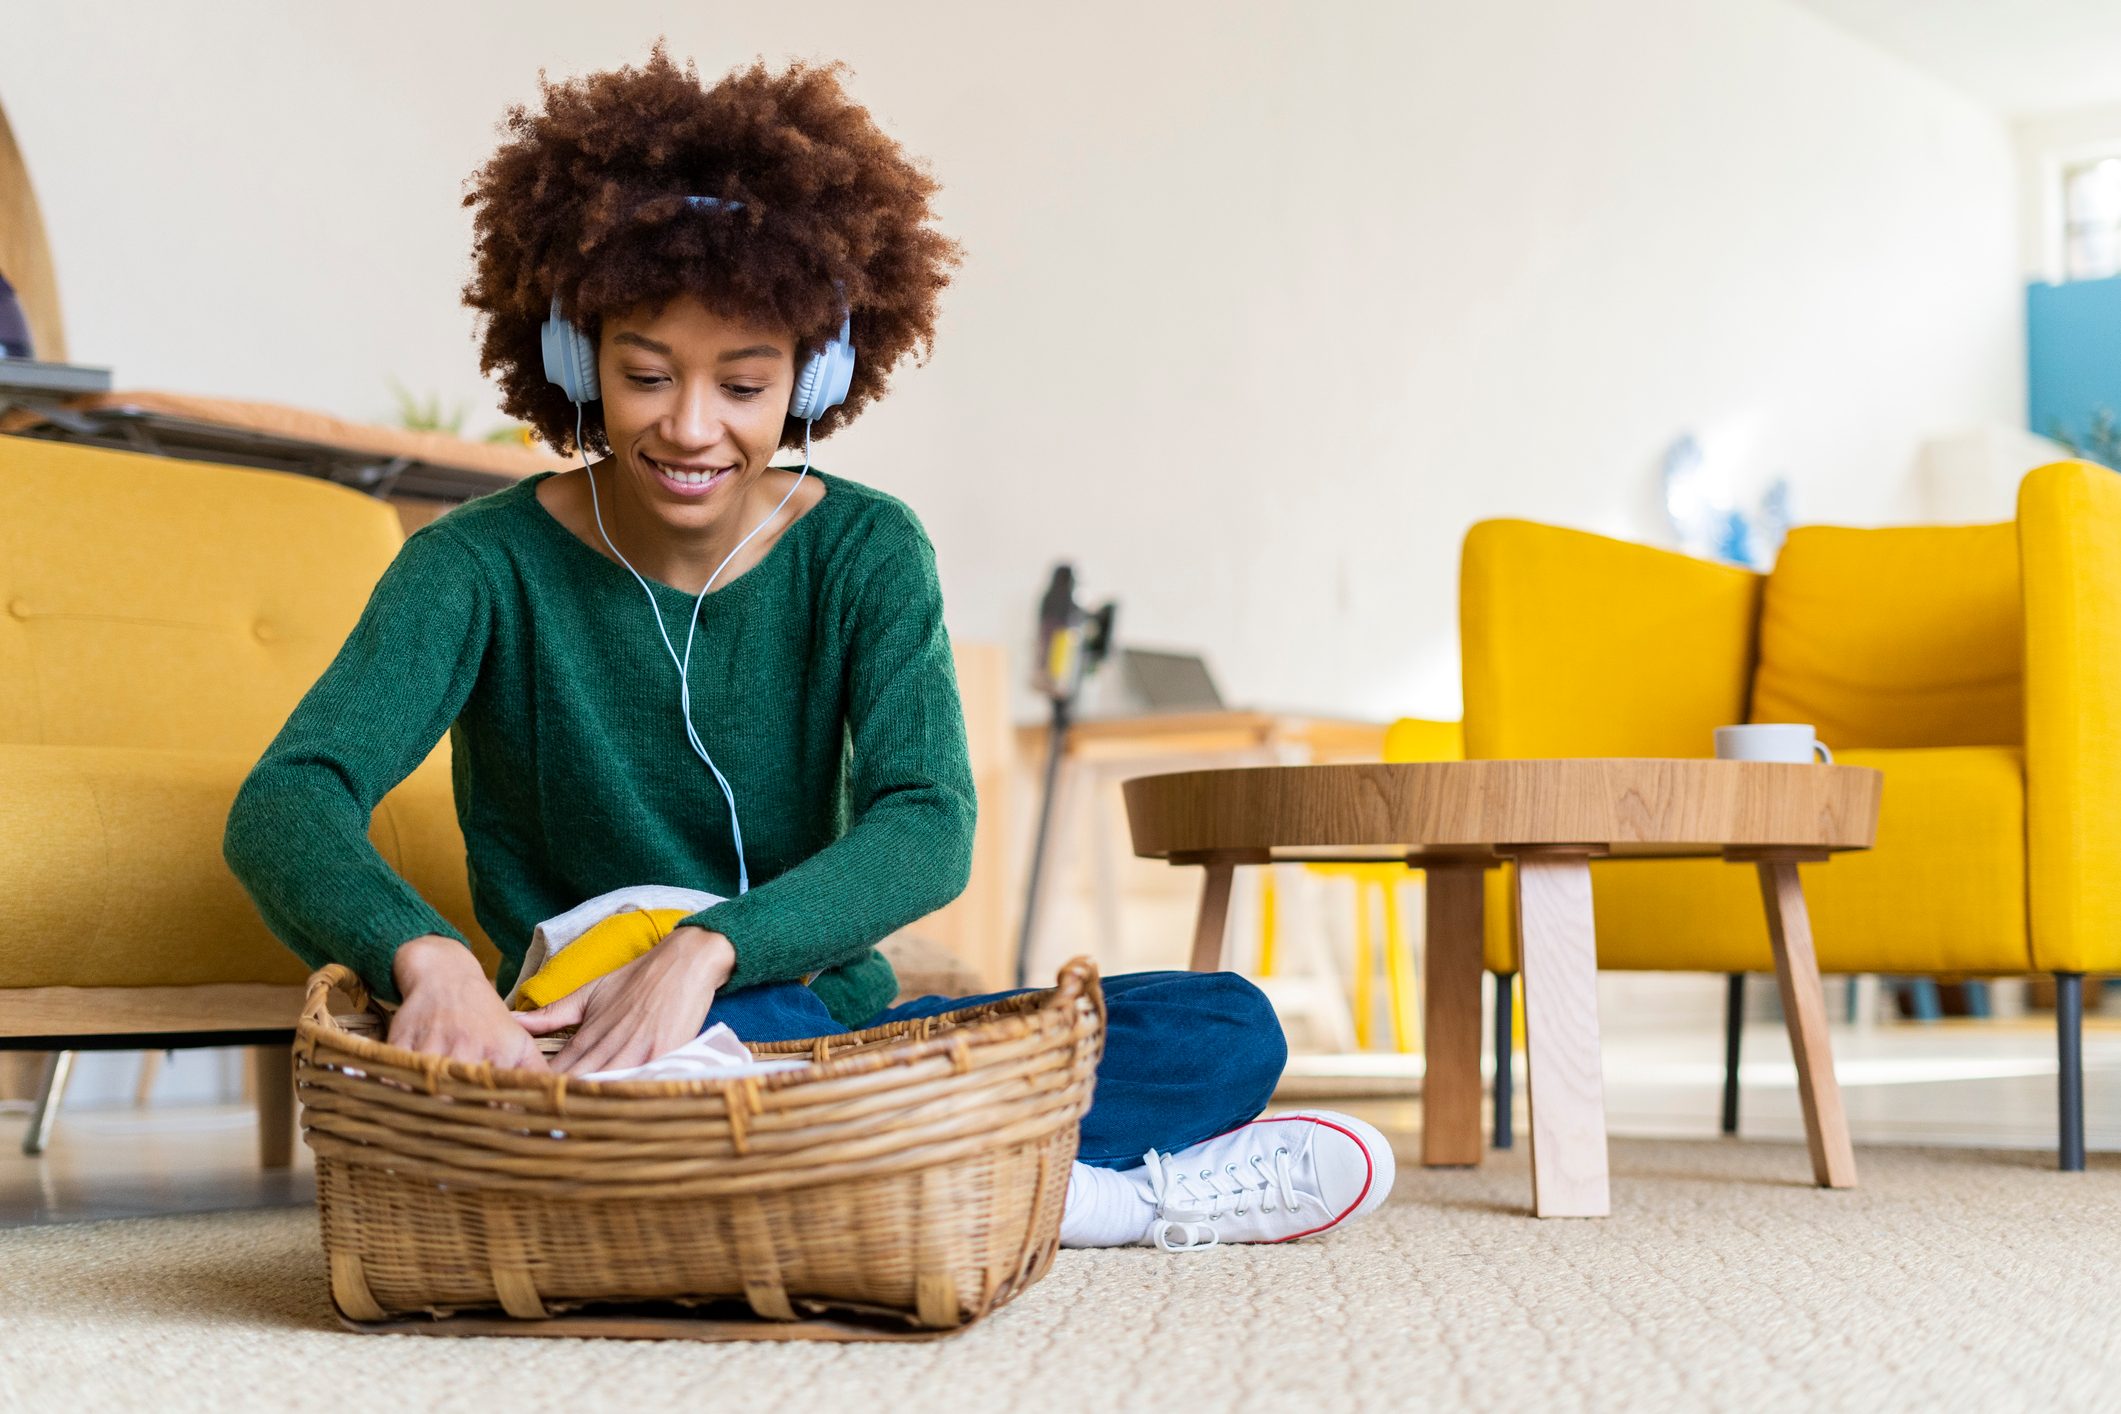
(1281, 1177)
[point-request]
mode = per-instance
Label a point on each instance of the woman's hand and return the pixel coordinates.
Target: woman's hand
(650, 1007)
(451, 1009)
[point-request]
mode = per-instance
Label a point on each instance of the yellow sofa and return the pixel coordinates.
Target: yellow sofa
(161, 619)
(158, 621)
(1978, 667)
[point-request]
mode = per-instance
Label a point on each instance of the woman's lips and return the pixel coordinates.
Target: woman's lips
(681, 487)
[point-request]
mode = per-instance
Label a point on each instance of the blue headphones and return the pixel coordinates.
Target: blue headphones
(820, 385)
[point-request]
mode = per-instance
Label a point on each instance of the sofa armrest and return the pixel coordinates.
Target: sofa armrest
(2069, 549)
(1580, 645)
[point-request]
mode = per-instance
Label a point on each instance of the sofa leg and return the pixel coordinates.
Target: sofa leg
(58, 1069)
(1505, 1008)
(2069, 1052)
(273, 1070)
(1733, 1031)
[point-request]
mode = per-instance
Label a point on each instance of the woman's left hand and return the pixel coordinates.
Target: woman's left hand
(650, 1007)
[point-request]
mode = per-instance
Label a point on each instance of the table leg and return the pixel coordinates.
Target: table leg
(274, 1069)
(1564, 1083)
(1450, 1033)
(1826, 1128)
(1096, 794)
(1214, 918)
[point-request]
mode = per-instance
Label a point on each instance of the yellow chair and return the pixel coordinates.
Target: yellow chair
(158, 621)
(1408, 739)
(1978, 667)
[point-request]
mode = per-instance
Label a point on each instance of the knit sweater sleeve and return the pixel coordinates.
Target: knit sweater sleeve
(908, 849)
(297, 835)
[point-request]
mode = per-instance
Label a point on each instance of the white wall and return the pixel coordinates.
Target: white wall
(1265, 302)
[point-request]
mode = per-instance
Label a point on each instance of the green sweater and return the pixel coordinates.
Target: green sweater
(822, 685)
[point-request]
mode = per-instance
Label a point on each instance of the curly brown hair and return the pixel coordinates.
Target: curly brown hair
(586, 199)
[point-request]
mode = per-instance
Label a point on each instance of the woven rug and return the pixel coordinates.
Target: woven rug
(1950, 1280)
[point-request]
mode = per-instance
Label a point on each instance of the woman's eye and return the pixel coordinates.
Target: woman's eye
(651, 380)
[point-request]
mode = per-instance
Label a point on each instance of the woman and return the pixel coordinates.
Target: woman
(660, 269)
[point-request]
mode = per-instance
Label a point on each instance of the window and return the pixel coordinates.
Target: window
(2091, 219)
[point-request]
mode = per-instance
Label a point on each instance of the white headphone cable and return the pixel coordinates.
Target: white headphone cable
(736, 829)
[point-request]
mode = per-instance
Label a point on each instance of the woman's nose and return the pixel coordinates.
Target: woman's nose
(695, 423)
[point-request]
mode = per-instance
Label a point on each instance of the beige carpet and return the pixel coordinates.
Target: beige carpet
(1952, 1280)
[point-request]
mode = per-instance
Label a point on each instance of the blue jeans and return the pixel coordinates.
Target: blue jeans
(1188, 1055)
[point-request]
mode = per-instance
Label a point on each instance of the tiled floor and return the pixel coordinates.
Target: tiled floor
(1983, 1084)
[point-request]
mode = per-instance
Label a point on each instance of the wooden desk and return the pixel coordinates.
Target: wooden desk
(1101, 748)
(1318, 739)
(1457, 819)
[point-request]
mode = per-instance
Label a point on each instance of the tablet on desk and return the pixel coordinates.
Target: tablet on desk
(1151, 681)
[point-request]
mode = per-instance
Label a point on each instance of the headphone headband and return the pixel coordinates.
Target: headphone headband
(821, 382)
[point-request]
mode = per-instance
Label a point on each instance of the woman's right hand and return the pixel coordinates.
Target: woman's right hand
(450, 1008)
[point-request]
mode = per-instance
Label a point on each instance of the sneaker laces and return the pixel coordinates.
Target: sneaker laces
(1190, 1202)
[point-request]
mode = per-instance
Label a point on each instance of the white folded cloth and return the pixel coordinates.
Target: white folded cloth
(554, 934)
(716, 1054)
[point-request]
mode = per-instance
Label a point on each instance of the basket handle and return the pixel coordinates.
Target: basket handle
(332, 976)
(1078, 977)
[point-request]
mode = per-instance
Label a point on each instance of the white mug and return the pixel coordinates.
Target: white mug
(1771, 741)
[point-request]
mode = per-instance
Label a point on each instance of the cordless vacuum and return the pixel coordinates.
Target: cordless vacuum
(1072, 641)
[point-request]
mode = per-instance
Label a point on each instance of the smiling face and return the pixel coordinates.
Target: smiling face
(694, 404)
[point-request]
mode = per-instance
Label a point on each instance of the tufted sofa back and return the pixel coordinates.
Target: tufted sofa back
(171, 605)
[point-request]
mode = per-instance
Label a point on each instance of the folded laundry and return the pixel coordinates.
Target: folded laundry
(599, 936)
(604, 934)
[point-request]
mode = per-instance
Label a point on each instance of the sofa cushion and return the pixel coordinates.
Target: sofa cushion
(115, 875)
(1905, 637)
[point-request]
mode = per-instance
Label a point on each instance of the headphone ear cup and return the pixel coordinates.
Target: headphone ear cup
(804, 407)
(839, 373)
(827, 374)
(570, 359)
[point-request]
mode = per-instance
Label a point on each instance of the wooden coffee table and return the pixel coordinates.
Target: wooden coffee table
(1457, 819)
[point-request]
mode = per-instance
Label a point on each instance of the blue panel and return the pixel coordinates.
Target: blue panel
(2072, 354)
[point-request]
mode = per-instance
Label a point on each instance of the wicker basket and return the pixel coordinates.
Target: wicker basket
(908, 1181)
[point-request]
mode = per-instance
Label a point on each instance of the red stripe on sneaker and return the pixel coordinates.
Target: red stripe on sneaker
(1369, 1175)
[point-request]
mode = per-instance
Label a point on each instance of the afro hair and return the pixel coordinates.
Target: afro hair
(586, 200)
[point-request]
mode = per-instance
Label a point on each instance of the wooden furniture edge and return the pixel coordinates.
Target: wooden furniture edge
(1349, 806)
(120, 1011)
(1218, 856)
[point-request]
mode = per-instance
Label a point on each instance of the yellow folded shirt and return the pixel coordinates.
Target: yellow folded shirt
(604, 948)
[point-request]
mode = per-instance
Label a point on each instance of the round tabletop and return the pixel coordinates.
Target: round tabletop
(1438, 810)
